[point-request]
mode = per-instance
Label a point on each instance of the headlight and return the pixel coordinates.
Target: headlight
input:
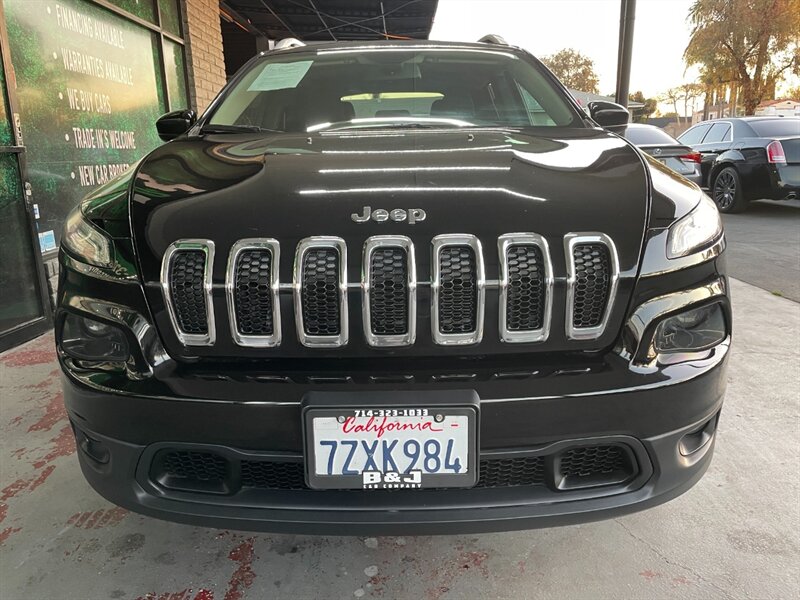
(696, 229)
(693, 330)
(85, 241)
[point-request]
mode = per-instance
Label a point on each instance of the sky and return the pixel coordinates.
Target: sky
(591, 26)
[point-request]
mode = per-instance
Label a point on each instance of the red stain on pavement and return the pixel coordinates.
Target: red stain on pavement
(182, 595)
(650, 575)
(3, 512)
(21, 485)
(98, 519)
(681, 580)
(45, 383)
(18, 453)
(16, 420)
(243, 576)
(53, 413)
(26, 358)
(63, 445)
(6, 533)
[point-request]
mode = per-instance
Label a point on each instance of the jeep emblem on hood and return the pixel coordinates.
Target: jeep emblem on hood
(398, 215)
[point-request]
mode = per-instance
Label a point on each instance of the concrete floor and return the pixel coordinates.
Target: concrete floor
(735, 535)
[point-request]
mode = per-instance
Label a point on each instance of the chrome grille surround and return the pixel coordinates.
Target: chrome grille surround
(321, 341)
(370, 246)
(438, 243)
(571, 240)
(274, 248)
(207, 247)
(504, 244)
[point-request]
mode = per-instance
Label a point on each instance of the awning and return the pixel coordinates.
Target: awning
(329, 20)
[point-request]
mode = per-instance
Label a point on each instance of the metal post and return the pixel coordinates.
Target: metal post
(625, 54)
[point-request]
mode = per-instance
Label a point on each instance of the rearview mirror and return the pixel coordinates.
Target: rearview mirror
(173, 124)
(609, 114)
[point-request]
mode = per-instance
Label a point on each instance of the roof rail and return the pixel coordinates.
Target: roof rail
(288, 43)
(493, 39)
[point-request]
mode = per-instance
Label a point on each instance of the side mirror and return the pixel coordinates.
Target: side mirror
(609, 114)
(173, 124)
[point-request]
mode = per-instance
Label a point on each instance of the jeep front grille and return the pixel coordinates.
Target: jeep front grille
(389, 290)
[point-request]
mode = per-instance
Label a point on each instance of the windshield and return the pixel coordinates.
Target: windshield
(393, 87)
(776, 128)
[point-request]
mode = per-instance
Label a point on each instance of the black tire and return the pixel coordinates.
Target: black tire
(727, 192)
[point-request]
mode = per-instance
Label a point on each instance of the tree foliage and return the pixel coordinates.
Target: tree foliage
(639, 115)
(685, 96)
(751, 43)
(575, 70)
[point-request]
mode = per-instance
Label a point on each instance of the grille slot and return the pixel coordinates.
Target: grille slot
(321, 292)
(252, 289)
(253, 296)
(186, 282)
(526, 288)
(458, 290)
(389, 284)
(389, 298)
(593, 273)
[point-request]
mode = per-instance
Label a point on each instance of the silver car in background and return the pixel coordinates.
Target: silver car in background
(665, 148)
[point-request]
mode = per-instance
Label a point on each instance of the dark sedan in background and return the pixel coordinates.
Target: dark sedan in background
(748, 158)
(665, 148)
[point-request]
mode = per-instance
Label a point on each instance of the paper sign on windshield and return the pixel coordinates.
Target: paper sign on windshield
(280, 76)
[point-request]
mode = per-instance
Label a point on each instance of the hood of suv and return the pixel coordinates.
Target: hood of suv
(482, 182)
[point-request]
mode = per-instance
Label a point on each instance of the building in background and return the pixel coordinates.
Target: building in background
(778, 108)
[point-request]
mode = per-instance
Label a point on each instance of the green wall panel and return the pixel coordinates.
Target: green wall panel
(88, 86)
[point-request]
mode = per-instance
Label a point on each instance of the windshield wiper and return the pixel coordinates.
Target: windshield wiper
(234, 129)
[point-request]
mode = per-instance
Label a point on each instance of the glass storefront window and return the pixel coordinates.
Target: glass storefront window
(144, 9)
(175, 71)
(171, 17)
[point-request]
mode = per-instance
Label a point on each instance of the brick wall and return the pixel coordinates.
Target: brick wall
(204, 57)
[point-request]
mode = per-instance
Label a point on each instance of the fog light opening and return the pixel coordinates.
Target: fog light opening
(94, 449)
(698, 439)
(88, 339)
(692, 330)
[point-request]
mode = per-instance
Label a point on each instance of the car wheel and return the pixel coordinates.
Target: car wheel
(726, 190)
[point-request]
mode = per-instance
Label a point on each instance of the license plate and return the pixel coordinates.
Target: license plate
(390, 447)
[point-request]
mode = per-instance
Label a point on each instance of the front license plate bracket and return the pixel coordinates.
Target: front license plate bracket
(457, 405)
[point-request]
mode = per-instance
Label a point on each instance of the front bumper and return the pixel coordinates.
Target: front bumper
(652, 416)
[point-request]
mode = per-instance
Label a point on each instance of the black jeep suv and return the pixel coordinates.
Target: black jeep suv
(400, 287)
